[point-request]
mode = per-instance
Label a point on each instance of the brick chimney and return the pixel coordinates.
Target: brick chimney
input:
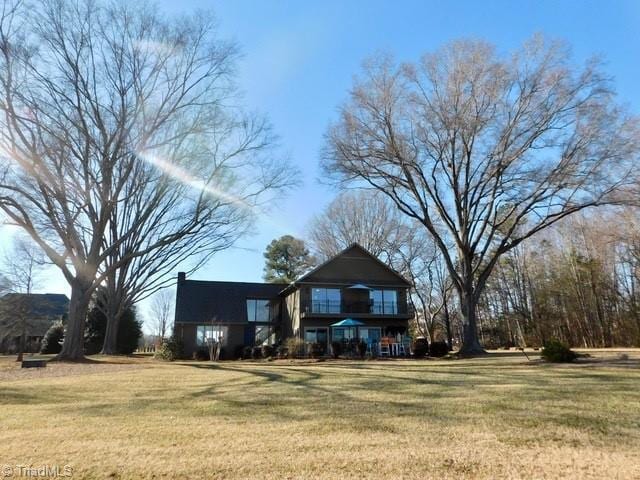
(182, 276)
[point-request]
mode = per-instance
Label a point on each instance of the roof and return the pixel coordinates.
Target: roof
(43, 308)
(354, 246)
(200, 301)
(41, 304)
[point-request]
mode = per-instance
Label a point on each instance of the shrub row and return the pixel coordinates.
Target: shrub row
(421, 348)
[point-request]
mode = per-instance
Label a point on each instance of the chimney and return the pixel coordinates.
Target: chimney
(182, 276)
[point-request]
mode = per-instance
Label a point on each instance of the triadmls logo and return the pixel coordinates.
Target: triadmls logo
(42, 471)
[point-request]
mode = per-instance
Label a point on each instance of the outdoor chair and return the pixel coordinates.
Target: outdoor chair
(406, 345)
(385, 347)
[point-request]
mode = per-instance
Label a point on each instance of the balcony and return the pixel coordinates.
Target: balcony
(333, 307)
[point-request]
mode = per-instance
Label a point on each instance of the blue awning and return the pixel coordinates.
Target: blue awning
(347, 322)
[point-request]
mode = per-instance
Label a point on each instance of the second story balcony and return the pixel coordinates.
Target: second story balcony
(355, 307)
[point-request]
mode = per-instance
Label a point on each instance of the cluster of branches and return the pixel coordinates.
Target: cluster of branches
(580, 284)
(484, 150)
(122, 148)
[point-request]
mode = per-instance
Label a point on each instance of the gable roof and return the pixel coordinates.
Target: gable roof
(41, 304)
(354, 247)
(43, 309)
(199, 301)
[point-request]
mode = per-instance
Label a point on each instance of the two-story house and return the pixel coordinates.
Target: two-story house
(354, 284)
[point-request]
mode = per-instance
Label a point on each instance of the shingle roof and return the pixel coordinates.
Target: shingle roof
(42, 304)
(198, 301)
(43, 309)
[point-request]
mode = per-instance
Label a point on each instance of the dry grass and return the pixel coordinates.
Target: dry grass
(497, 417)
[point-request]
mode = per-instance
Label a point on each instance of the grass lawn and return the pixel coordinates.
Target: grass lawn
(496, 417)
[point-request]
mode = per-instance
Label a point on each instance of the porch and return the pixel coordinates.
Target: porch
(358, 339)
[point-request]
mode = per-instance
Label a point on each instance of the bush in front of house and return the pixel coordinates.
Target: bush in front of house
(362, 348)
(557, 352)
(170, 349)
(237, 352)
(246, 352)
(420, 347)
(438, 349)
(256, 353)
(282, 351)
(295, 347)
(52, 341)
(336, 349)
(267, 351)
(315, 350)
(202, 354)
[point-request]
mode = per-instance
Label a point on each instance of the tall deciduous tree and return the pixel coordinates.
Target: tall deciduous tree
(485, 149)
(123, 152)
(286, 258)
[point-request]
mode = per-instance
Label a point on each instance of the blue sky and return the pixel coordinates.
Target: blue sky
(299, 58)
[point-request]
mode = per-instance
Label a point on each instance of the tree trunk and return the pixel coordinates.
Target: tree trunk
(470, 342)
(110, 345)
(73, 344)
(447, 323)
(23, 339)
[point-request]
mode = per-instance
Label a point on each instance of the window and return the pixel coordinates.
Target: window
(341, 334)
(207, 333)
(384, 301)
(369, 334)
(257, 310)
(325, 300)
(315, 335)
(265, 335)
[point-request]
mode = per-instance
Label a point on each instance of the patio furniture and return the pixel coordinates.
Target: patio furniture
(406, 341)
(385, 347)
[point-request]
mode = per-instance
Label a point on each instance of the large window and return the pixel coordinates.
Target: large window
(257, 310)
(208, 333)
(369, 334)
(265, 335)
(384, 302)
(325, 300)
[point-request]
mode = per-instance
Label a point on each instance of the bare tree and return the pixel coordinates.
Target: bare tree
(362, 217)
(20, 273)
(485, 150)
(123, 150)
(161, 311)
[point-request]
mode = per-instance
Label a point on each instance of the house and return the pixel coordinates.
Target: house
(354, 284)
(38, 310)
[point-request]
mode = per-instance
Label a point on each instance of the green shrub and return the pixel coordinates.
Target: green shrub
(557, 352)
(315, 350)
(336, 349)
(237, 352)
(420, 347)
(295, 347)
(362, 348)
(52, 341)
(202, 354)
(246, 352)
(170, 349)
(256, 353)
(267, 351)
(438, 349)
(129, 328)
(282, 351)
